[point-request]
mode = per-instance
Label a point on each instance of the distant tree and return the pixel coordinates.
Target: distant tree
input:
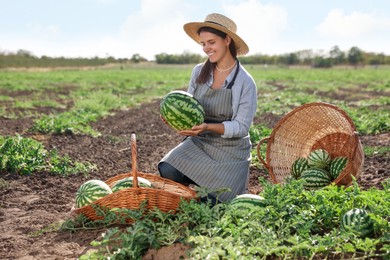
(136, 58)
(24, 53)
(292, 59)
(305, 56)
(355, 56)
(337, 55)
(289, 59)
(321, 62)
(185, 58)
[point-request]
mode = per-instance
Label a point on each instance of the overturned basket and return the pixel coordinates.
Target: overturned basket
(312, 126)
(164, 195)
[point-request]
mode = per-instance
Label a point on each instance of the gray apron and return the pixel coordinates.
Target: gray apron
(208, 159)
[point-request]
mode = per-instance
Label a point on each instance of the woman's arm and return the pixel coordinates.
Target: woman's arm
(244, 109)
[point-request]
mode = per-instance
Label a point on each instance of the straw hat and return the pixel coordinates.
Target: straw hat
(221, 23)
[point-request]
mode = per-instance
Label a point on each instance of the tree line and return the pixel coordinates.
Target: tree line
(335, 57)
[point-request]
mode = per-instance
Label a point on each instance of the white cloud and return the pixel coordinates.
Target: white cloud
(259, 25)
(155, 28)
(44, 30)
(368, 31)
(353, 25)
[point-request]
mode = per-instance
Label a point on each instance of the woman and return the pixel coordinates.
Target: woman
(216, 154)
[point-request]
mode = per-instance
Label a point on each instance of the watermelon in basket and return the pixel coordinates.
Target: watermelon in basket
(313, 127)
(162, 193)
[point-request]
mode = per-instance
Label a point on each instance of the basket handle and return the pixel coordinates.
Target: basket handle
(259, 152)
(134, 160)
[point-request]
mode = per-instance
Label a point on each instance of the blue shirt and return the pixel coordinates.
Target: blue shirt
(244, 100)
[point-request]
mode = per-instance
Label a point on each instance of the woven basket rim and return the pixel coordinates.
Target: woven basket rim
(271, 138)
(162, 195)
(191, 192)
(136, 190)
(308, 105)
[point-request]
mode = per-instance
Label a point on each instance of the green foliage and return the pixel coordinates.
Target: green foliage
(25, 156)
(24, 58)
(296, 223)
(376, 150)
(64, 165)
(72, 122)
(78, 98)
(21, 155)
(258, 132)
(185, 58)
(53, 227)
(291, 223)
(369, 121)
(362, 93)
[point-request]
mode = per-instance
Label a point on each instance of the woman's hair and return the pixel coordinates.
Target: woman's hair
(208, 66)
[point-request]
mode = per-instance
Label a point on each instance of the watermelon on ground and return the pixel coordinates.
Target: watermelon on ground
(90, 191)
(247, 202)
(357, 221)
(181, 110)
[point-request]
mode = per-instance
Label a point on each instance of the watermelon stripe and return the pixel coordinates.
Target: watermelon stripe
(358, 221)
(91, 191)
(171, 113)
(299, 165)
(315, 178)
(253, 202)
(128, 183)
(319, 158)
(247, 200)
(186, 106)
(337, 166)
(181, 110)
(243, 207)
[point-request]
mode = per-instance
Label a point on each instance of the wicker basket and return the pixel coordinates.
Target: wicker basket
(165, 194)
(309, 127)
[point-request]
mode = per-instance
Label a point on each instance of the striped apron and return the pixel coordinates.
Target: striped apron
(208, 159)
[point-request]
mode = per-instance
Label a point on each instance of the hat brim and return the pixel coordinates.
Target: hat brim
(192, 30)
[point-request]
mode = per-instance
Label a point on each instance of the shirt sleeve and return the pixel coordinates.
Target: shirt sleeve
(244, 102)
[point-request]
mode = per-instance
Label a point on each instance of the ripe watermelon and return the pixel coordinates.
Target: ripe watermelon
(319, 159)
(337, 165)
(90, 191)
(357, 221)
(315, 178)
(128, 183)
(246, 202)
(181, 110)
(298, 166)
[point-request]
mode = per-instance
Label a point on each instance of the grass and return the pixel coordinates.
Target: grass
(291, 223)
(364, 93)
(376, 150)
(295, 223)
(26, 156)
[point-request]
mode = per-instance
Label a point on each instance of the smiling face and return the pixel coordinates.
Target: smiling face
(215, 47)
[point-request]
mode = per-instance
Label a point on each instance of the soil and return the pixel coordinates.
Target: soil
(32, 207)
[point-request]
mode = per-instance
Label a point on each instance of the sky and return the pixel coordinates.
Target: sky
(122, 28)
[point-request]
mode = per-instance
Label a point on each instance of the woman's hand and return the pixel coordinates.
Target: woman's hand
(194, 130)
